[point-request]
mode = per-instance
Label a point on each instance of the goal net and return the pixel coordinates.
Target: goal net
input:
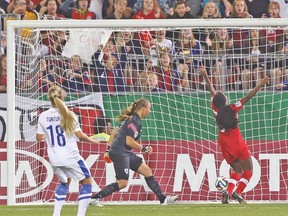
(106, 65)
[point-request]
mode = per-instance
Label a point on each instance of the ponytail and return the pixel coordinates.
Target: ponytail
(67, 122)
(132, 109)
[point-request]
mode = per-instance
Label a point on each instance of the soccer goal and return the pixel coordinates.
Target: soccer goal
(105, 65)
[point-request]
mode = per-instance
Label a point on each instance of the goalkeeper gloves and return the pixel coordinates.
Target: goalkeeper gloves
(106, 156)
(147, 149)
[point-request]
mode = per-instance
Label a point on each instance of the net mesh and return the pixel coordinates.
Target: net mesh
(104, 70)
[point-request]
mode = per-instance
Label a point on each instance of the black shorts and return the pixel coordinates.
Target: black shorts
(123, 163)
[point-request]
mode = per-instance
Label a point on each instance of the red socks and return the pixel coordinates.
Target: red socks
(234, 178)
(245, 178)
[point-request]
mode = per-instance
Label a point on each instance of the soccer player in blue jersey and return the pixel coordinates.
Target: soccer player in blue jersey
(122, 140)
(59, 127)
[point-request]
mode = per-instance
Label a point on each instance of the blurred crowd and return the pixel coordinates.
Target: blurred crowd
(152, 61)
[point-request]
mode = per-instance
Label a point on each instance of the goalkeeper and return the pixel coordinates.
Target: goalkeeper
(122, 140)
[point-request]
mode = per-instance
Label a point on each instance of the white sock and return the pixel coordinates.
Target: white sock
(84, 199)
(82, 206)
(58, 207)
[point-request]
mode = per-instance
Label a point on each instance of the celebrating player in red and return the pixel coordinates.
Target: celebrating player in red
(234, 149)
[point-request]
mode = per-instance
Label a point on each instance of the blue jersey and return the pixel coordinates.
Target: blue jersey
(130, 127)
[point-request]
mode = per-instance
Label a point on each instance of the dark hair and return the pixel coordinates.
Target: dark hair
(57, 3)
(77, 4)
(226, 117)
(100, 124)
(179, 3)
(219, 100)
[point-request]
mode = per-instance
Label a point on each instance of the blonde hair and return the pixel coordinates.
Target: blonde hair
(216, 14)
(56, 96)
(273, 4)
(234, 13)
(132, 109)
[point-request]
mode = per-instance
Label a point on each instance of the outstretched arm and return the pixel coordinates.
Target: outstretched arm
(210, 87)
(255, 90)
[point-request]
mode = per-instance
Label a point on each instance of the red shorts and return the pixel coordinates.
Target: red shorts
(239, 153)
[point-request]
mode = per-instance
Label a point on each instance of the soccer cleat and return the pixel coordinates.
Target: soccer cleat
(96, 202)
(170, 200)
(225, 198)
(239, 198)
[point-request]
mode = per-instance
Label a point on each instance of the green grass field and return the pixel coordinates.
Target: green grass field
(155, 210)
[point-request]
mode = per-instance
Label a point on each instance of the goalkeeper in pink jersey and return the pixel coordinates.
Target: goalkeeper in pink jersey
(234, 149)
(122, 140)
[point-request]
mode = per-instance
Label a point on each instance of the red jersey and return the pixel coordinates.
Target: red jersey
(146, 36)
(77, 14)
(231, 141)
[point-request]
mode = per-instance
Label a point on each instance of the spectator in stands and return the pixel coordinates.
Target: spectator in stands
(11, 6)
(102, 129)
(46, 76)
(273, 10)
(108, 8)
(50, 9)
(221, 45)
(20, 7)
(272, 35)
(187, 44)
(111, 78)
(240, 10)
(152, 83)
(188, 50)
(3, 74)
(147, 11)
(271, 38)
(223, 6)
(119, 9)
(76, 79)
(252, 48)
(171, 77)
(211, 11)
(161, 44)
(161, 6)
(127, 45)
(180, 11)
(99, 59)
(193, 6)
(80, 11)
(143, 76)
(283, 7)
(49, 38)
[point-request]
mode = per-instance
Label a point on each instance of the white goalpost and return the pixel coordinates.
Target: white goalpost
(181, 128)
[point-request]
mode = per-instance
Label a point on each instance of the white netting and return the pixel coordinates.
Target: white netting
(104, 70)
